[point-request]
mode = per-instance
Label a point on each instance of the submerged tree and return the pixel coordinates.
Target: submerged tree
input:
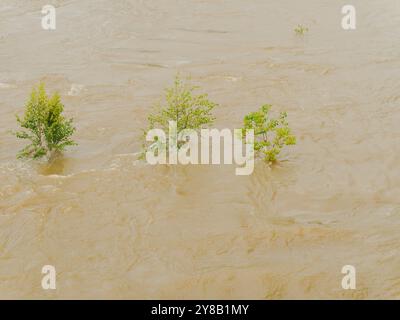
(301, 30)
(44, 126)
(183, 106)
(270, 134)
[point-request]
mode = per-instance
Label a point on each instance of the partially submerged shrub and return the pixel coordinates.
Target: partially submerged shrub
(188, 110)
(44, 126)
(270, 135)
(300, 29)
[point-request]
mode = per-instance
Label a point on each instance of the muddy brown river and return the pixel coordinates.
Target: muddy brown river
(118, 228)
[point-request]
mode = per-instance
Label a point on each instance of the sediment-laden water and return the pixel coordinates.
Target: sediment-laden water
(117, 228)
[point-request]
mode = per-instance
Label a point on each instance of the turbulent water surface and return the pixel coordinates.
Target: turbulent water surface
(117, 228)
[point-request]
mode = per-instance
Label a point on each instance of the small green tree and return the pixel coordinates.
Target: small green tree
(270, 135)
(300, 30)
(44, 126)
(188, 110)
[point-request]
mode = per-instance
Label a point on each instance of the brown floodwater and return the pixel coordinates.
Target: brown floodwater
(114, 227)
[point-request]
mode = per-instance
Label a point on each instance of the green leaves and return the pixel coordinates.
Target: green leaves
(270, 134)
(44, 126)
(192, 111)
(300, 30)
(182, 105)
(188, 110)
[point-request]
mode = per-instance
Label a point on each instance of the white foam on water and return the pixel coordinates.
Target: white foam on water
(4, 85)
(76, 89)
